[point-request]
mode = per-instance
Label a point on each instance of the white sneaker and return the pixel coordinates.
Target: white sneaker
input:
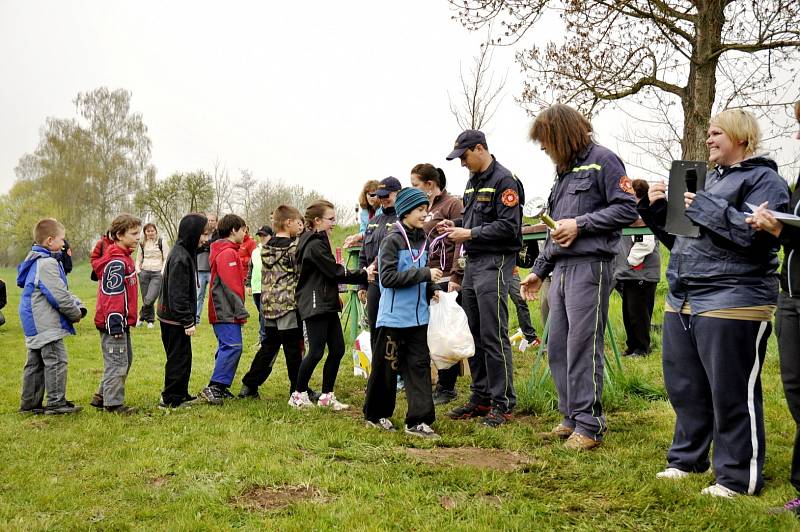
(382, 423)
(300, 400)
(328, 400)
(139, 323)
(673, 473)
(718, 490)
(423, 430)
(150, 325)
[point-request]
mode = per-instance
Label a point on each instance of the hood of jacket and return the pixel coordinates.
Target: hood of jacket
(37, 252)
(755, 162)
(308, 237)
(221, 245)
(190, 230)
(112, 252)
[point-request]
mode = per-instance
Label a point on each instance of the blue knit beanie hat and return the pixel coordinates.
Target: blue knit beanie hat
(407, 200)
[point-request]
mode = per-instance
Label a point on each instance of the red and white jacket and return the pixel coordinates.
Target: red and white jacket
(226, 301)
(117, 291)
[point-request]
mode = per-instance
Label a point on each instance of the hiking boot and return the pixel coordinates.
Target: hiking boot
(247, 393)
(496, 417)
(673, 473)
(579, 442)
(121, 410)
(212, 395)
(559, 432)
(328, 400)
(97, 401)
(300, 400)
(423, 430)
(469, 411)
(382, 423)
(718, 490)
(442, 397)
(66, 408)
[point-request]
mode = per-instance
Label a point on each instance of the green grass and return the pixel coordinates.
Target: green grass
(188, 469)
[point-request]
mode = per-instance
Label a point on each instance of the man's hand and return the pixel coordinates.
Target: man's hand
(453, 286)
(436, 275)
(763, 220)
(529, 287)
(190, 331)
(362, 296)
(435, 296)
(688, 198)
(442, 226)
(566, 232)
(372, 272)
(353, 240)
(458, 234)
(657, 192)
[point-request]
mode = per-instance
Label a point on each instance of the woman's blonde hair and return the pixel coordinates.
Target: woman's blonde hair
(369, 186)
(740, 126)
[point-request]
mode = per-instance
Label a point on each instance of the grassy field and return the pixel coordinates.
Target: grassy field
(260, 464)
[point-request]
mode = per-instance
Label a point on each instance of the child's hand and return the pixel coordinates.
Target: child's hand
(442, 226)
(436, 275)
(436, 295)
(371, 272)
(190, 331)
(362, 296)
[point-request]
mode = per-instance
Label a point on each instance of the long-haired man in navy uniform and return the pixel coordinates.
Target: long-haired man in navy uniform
(491, 234)
(591, 200)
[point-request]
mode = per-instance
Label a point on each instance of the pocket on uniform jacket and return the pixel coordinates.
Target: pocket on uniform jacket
(576, 193)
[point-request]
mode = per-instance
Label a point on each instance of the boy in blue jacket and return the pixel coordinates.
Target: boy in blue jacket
(401, 344)
(47, 311)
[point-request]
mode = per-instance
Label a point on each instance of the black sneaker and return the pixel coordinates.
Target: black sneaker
(36, 410)
(97, 401)
(496, 417)
(226, 393)
(469, 411)
(442, 397)
(212, 394)
(313, 396)
(423, 430)
(66, 408)
(247, 393)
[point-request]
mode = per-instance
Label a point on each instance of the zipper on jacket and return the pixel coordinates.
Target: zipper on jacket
(419, 289)
(391, 308)
(789, 272)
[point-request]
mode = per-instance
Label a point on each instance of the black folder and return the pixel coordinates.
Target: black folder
(677, 222)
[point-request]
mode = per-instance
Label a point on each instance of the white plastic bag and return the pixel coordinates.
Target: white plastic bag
(449, 337)
(362, 355)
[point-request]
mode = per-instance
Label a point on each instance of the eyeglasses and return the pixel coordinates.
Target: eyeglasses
(372, 194)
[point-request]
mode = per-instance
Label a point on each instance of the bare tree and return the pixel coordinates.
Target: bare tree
(244, 190)
(223, 189)
(703, 55)
(479, 97)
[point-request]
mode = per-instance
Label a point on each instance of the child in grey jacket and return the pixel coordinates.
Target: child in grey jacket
(47, 311)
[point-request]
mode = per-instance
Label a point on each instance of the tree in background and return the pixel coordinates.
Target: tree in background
(168, 200)
(479, 97)
(696, 56)
(83, 172)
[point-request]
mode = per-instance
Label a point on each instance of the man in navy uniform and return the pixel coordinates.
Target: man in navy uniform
(490, 235)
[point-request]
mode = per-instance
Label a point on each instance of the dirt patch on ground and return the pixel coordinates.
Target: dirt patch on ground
(451, 502)
(159, 481)
(268, 498)
(494, 459)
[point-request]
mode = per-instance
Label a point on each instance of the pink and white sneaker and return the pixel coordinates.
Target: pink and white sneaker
(328, 400)
(300, 400)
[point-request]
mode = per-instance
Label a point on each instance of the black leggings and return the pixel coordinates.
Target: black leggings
(322, 329)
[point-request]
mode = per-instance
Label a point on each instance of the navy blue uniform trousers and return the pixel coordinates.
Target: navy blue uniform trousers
(712, 372)
(578, 299)
(484, 298)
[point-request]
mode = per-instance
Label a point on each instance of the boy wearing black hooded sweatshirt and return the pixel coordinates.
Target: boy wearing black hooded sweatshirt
(177, 306)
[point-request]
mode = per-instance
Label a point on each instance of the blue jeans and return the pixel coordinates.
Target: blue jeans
(229, 351)
(203, 279)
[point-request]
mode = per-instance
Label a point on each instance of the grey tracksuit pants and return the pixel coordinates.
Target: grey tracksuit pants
(484, 298)
(578, 299)
(117, 359)
(45, 369)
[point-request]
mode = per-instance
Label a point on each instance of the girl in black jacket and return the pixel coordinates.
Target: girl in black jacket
(319, 304)
(176, 309)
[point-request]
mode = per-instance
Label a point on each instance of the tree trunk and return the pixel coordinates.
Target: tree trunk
(700, 90)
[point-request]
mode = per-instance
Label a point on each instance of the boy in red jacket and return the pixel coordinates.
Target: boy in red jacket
(116, 313)
(226, 310)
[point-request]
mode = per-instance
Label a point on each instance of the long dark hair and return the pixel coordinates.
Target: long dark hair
(427, 173)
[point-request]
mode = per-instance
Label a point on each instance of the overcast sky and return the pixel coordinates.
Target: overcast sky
(325, 94)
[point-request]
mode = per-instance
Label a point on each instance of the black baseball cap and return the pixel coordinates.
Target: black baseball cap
(467, 139)
(387, 186)
(264, 230)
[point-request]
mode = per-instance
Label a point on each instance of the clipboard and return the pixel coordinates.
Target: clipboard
(677, 222)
